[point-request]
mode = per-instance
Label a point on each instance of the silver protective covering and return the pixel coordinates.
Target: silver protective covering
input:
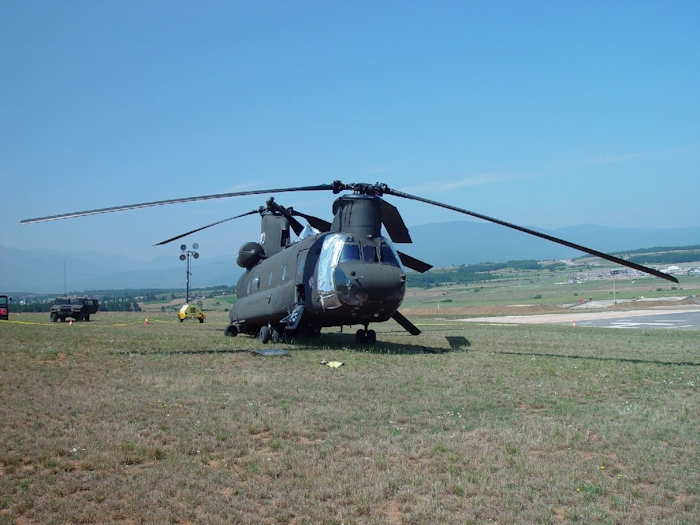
(327, 262)
(308, 231)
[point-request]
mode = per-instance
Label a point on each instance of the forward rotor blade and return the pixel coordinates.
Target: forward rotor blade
(408, 325)
(393, 222)
(324, 187)
(205, 227)
(557, 240)
(413, 263)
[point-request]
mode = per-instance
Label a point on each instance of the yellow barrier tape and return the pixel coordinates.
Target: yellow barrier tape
(79, 324)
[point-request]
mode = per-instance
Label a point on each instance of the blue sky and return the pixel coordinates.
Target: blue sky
(545, 114)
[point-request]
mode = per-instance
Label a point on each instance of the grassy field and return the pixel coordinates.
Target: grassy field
(542, 288)
(548, 290)
(118, 421)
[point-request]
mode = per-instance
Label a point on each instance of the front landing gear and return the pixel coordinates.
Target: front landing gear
(365, 337)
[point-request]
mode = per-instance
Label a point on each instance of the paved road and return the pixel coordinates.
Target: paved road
(684, 320)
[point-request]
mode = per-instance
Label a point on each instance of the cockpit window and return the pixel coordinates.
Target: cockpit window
(388, 255)
(369, 253)
(351, 252)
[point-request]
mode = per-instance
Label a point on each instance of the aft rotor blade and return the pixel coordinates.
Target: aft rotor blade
(320, 224)
(296, 226)
(557, 240)
(413, 263)
(205, 227)
(97, 211)
(393, 222)
(408, 325)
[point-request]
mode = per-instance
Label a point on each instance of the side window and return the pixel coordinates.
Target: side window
(256, 283)
(284, 273)
(388, 256)
(247, 289)
(269, 279)
(351, 252)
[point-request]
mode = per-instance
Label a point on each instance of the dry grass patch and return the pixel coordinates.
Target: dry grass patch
(116, 421)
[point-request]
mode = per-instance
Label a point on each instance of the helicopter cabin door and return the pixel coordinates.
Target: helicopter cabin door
(301, 285)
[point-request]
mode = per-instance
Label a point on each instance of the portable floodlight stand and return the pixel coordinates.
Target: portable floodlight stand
(185, 254)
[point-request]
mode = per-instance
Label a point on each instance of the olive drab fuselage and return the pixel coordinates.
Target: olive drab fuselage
(349, 275)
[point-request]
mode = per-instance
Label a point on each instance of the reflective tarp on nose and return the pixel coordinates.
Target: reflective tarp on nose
(327, 261)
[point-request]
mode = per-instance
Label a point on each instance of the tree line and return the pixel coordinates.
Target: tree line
(470, 273)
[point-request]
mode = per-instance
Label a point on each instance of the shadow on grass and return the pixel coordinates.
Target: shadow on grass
(597, 358)
(325, 342)
(181, 352)
(347, 342)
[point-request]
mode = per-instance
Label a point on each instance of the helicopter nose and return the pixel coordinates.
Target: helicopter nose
(371, 285)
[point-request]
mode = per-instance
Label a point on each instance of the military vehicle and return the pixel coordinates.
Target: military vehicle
(79, 308)
(339, 273)
(5, 307)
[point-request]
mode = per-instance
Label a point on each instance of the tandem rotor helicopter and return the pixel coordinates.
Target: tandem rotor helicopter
(338, 273)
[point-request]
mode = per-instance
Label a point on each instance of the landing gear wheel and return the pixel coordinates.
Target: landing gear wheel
(371, 337)
(264, 334)
(365, 337)
(231, 331)
(276, 335)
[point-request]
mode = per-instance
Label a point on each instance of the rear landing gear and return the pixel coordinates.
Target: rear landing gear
(276, 334)
(271, 333)
(265, 334)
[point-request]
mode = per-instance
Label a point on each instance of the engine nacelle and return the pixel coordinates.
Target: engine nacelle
(249, 255)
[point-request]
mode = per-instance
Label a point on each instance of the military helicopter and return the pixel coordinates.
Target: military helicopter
(339, 273)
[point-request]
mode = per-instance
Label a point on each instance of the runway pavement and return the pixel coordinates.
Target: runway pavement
(683, 318)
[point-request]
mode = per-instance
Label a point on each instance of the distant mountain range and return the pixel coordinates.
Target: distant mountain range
(444, 244)
(466, 242)
(41, 271)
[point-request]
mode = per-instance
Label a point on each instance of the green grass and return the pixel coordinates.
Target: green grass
(117, 421)
(542, 288)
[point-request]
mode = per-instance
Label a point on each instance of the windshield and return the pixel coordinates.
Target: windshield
(350, 251)
(389, 255)
(343, 247)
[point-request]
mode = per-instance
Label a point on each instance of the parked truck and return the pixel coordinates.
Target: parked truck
(79, 308)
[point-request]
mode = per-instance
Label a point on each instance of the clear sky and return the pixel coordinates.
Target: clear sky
(545, 114)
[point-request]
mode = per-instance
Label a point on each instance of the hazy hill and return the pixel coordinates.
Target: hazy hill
(445, 244)
(467, 242)
(41, 271)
